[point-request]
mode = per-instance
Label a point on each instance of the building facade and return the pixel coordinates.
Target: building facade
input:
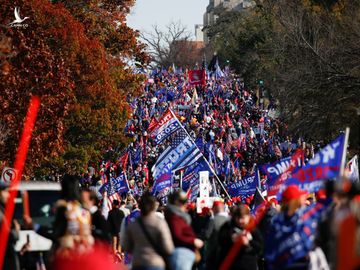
(199, 35)
(216, 6)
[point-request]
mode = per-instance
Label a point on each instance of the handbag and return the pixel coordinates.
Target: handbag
(157, 249)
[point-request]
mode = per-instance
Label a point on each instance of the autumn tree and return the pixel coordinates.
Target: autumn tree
(80, 77)
(306, 52)
(173, 46)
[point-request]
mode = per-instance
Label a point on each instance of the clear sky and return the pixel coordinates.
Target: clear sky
(146, 13)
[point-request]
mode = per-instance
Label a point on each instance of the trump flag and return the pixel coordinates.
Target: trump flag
(326, 164)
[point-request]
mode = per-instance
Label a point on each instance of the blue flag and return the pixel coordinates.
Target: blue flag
(166, 127)
(181, 152)
(245, 187)
(325, 165)
(115, 185)
(162, 183)
(274, 170)
(291, 239)
(191, 173)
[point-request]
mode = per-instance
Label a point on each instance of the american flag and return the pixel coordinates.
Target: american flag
(111, 198)
(178, 138)
(116, 185)
(229, 143)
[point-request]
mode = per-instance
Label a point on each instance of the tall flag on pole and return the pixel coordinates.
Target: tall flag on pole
(278, 173)
(326, 164)
(165, 127)
(218, 72)
(352, 169)
(180, 153)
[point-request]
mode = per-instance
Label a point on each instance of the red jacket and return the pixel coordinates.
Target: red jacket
(181, 232)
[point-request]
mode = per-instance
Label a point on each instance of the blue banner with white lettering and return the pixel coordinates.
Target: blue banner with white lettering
(166, 126)
(325, 165)
(191, 173)
(162, 183)
(181, 152)
(115, 185)
(291, 238)
(274, 170)
(245, 187)
(278, 173)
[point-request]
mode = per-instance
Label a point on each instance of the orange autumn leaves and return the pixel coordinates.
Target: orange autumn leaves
(77, 71)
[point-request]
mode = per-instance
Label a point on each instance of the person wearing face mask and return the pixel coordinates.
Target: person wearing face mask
(252, 243)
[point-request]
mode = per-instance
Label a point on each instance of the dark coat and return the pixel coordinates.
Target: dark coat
(100, 229)
(115, 218)
(211, 246)
(247, 258)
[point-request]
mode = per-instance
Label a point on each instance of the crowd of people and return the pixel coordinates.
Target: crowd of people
(232, 126)
(235, 129)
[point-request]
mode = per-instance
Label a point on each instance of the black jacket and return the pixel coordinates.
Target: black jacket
(247, 258)
(100, 229)
(114, 220)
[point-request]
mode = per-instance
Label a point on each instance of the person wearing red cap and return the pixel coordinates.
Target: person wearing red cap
(292, 199)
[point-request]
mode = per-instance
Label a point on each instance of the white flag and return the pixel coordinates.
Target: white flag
(352, 169)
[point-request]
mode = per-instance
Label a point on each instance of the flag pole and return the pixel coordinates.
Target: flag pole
(181, 178)
(343, 158)
(258, 175)
(211, 168)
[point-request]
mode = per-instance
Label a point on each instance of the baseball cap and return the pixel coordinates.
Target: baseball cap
(292, 192)
(218, 203)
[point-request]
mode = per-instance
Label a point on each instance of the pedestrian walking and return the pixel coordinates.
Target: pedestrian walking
(184, 238)
(148, 238)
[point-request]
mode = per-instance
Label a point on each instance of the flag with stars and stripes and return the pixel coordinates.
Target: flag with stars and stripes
(181, 152)
(167, 125)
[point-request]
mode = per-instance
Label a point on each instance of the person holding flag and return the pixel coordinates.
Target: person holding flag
(235, 229)
(291, 234)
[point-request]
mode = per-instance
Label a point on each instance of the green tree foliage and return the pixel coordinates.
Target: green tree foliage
(308, 54)
(78, 71)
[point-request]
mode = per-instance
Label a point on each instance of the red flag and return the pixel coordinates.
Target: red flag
(152, 125)
(228, 121)
(124, 160)
(197, 77)
(146, 171)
